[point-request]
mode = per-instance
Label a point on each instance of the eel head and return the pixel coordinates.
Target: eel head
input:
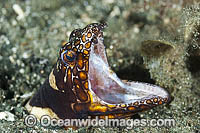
(88, 86)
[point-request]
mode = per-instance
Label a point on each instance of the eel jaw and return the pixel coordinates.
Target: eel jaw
(107, 89)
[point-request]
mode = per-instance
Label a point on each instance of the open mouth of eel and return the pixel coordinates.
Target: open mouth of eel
(109, 89)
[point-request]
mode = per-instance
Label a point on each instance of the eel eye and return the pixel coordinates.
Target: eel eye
(68, 56)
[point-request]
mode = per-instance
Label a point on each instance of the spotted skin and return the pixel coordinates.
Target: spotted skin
(66, 92)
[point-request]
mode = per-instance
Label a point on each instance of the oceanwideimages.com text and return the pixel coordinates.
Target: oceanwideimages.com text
(46, 121)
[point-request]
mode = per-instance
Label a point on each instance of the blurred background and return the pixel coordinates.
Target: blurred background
(32, 32)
